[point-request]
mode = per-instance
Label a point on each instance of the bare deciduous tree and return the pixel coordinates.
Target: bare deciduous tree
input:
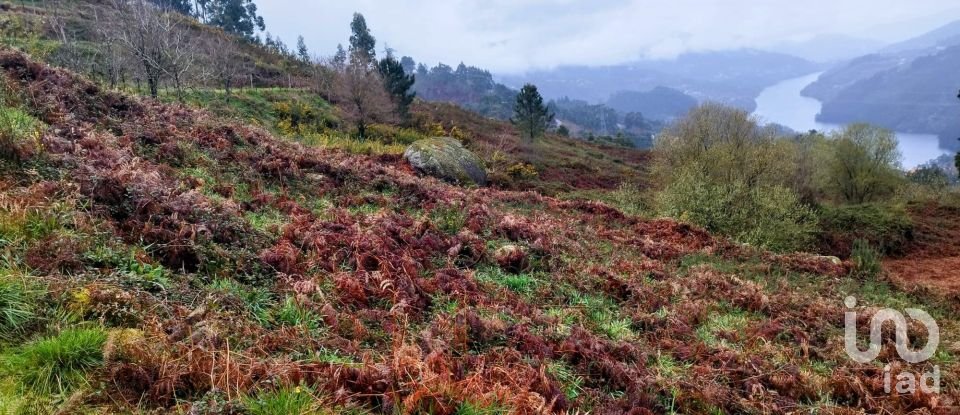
(359, 91)
(226, 63)
(155, 38)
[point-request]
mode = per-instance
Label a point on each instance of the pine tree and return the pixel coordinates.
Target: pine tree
(398, 83)
(362, 43)
(530, 116)
(302, 51)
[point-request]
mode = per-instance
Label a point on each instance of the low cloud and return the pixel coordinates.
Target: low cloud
(515, 35)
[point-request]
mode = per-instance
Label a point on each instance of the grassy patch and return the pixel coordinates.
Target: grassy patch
(284, 401)
(18, 300)
(293, 314)
(268, 220)
(19, 133)
(472, 408)
(710, 331)
(603, 314)
(518, 283)
(258, 302)
(570, 381)
(449, 219)
(58, 364)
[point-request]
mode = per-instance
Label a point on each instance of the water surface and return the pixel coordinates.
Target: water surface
(783, 104)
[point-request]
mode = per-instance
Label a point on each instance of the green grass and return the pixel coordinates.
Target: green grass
(284, 401)
(18, 299)
(603, 315)
(518, 283)
(570, 381)
(58, 364)
(667, 367)
(471, 408)
(17, 128)
(449, 219)
(293, 314)
(258, 302)
(268, 220)
(733, 321)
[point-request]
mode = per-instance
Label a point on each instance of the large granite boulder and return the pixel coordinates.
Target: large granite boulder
(447, 159)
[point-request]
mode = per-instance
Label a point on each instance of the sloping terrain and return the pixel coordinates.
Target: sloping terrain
(932, 261)
(214, 268)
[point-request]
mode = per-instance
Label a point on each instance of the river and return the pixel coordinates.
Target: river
(783, 104)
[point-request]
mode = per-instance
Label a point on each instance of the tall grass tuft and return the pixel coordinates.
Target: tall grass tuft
(58, 364)
(867, 261)
(17, 307)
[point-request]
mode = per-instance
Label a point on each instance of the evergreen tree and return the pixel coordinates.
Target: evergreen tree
(302, 51)
(362, 43)
(238, 17)
(340, 58)
(398, 83)
(179, 6)
(530, 116)
(408, 64)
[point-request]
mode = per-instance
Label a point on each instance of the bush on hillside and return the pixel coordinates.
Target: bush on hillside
(863, 165)
(727, 144)
(770, 216)
(885, 227)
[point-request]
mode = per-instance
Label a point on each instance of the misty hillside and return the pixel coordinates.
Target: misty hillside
(908, 87)
(828, 48)
(731, 77)
(892, 57)
(660, 103)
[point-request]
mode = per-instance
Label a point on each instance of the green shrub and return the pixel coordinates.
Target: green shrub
(17, 306)
(866, 260)
(863, 165)
(885, 227)
(58, 364)
(769, 217)
(631, 199)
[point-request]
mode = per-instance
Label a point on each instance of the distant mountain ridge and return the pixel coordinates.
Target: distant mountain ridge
(898, 55)
(910, 86)
(730, 77)
(828, 47)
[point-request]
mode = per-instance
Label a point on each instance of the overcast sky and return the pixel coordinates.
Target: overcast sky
(508, 36)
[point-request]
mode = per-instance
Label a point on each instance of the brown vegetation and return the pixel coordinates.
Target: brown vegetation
(387, 294)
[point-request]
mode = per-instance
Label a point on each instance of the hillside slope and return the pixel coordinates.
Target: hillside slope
(918, 97)
(210, 267)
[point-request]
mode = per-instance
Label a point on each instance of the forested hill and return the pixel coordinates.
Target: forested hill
(909, 86)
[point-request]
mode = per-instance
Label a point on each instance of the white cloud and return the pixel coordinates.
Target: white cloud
(515, 35)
